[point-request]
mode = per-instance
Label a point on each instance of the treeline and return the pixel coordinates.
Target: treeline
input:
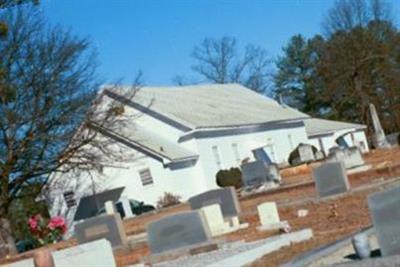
(355, 61)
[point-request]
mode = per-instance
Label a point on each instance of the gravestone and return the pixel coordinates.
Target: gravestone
(89, 205)
(384, 208)
(96, 253)
(268, 213)
(330, 179)
(110, 208)
(306, 153)
(108, 226)
(393, 139)
(225, 197)
(258, 173)
(215, 220)
(379, 135)
(269, 217)
(126, 206)
(351, 156)
(177, 231)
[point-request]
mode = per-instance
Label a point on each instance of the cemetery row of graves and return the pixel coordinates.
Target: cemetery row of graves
(315, 205)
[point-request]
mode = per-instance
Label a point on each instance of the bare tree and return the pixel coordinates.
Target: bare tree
(50, 109)
(348, 14)
(218, 61)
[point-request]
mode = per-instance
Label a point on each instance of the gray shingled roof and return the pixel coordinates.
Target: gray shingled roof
(218, 105)
(316, 126)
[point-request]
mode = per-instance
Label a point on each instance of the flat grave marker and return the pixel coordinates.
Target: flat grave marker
(385, 212)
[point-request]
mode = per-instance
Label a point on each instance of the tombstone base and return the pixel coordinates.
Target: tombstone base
(273, 226)
(177, 253)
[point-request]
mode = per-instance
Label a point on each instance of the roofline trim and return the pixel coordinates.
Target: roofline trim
(331, 132)
(141, 148)
(250, 128)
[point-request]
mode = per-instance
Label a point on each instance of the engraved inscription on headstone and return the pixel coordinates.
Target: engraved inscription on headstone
(108, 226)
(69, 197)
(385, 212)
(330, 179)
(225, 197)
(177, 232)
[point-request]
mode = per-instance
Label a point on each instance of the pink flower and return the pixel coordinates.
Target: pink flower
(33, 223)
(57, 222)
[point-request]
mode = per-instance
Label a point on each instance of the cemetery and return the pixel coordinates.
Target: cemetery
(251, 138)
(317, 205)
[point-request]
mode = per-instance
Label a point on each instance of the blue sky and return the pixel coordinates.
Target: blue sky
(157, 37)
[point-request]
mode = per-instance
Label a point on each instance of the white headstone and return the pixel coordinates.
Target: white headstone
(96, 253)
(268, 213)
(215, 219)
(306, 153)
(127, 207)
(109, 207)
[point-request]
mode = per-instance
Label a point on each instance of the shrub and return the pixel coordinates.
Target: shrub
(167, 200)
(231, 177)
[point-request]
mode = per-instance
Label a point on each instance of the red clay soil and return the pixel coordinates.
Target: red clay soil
(328, 223)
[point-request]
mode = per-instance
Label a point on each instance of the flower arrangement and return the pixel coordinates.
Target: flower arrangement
(47, 231)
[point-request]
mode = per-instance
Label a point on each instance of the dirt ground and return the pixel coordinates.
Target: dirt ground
(329, 219)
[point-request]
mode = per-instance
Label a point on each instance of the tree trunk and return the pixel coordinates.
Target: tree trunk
(7, 244)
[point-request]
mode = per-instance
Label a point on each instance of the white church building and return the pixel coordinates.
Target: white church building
(187, 134)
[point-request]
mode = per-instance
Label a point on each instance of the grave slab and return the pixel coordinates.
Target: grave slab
(96, 253)
(330, 179)
(385, 212)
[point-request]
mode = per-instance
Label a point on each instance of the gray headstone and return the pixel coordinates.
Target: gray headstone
(177, 231)
(89, 205)
(259, 172)
(108, 226)
(330, 179)
(385, 212)
(225, 197)
(393, 139)
(379, 135)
